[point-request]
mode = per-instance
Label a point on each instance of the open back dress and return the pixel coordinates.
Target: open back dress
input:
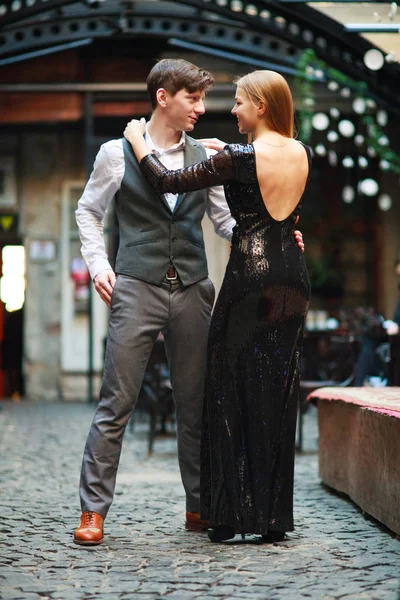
(254, 348)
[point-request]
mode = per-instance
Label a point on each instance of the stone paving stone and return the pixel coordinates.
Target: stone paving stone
(335, 553)
(8, 595)
(222, 590)
(179, 595)
(363, 596)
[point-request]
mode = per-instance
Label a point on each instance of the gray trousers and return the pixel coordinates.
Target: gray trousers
(139, 311)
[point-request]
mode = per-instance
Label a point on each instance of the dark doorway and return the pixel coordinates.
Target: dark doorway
(11, 335)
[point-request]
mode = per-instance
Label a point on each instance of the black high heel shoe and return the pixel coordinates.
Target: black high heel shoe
(220, 533)
(273, 536)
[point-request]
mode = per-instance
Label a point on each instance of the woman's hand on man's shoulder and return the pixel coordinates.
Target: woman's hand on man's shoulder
(213, 144)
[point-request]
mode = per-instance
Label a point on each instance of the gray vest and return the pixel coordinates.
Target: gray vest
(152, 238)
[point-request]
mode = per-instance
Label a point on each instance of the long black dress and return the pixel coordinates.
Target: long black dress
(248, 436)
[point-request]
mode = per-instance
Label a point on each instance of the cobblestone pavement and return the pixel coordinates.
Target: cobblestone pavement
(335, 552)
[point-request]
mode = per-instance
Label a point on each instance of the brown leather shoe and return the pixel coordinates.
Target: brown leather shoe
(194, 523)
(90, 530)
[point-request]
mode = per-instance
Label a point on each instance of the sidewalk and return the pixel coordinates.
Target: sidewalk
(335, 552)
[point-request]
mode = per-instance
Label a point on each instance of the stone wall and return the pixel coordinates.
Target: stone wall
(45, 160)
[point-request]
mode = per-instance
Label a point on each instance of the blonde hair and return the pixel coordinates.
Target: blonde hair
(272, 89)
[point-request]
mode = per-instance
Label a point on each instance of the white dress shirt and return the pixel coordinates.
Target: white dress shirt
(105, 180)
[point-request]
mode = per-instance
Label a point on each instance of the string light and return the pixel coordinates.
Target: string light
(348, 162)
(374, 59)
(373, 120)
(385, 202)
(362, 162)
(359, 139)
(332, 158)
(334, 112)
(384, 165)
(369, 187)
(359, 106)
(346, 128)
(382, 118)
(320, 150)
(348, 194)
(391, 57)
(320, 121)
(392, 11)
(332, 136)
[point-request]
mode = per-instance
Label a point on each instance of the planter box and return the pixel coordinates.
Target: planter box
(359, 447)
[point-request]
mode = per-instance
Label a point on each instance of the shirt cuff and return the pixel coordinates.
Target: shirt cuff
(100, 264)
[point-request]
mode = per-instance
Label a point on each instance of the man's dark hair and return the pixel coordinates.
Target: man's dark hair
(175, 74)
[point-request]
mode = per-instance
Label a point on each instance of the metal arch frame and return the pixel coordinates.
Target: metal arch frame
(245, 27)
(218, 35)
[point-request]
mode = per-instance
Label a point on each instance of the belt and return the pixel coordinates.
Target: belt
(171, 274)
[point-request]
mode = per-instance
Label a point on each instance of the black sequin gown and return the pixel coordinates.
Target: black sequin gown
(248, 436)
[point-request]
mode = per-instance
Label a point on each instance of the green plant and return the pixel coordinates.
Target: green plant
(309, 64)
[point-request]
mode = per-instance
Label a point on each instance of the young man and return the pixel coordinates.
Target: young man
(161, 285)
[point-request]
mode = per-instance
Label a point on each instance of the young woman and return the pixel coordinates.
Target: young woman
(248, 436)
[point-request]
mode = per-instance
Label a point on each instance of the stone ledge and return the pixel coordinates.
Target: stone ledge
(359, 448)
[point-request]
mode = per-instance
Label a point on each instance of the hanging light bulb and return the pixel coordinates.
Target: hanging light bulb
(333, 86)
(237, 5)
(320, 150)
(320, 121)
(391, 57)
(362, 162)
(384, 164)
(345, 92)
(371, 103)
(348, 162)
(359, 139)
(383, 140)
(359, 106)
(392, 11)
(371, 152)
(348, 194)
(385, 202)
(374, 59)
(332, 136)
(346, 128)
(308, 101)
(332, 158)
(382, 118)
(369, 187)
(334, 112)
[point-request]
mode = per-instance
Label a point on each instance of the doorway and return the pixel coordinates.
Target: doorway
(12, 297)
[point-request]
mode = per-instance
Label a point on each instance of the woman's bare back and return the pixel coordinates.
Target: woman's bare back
(282, 172)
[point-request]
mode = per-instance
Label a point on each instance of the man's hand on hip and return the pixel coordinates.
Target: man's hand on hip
(104, 283)
(298, 236)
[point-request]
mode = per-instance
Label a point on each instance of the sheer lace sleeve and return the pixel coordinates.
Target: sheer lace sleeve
(217, 170)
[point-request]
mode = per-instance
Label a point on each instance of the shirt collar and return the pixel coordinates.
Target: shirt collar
(158, 151)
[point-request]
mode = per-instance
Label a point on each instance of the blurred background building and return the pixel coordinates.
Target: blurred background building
(72, 74)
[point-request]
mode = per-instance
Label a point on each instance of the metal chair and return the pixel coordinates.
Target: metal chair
(335, 369)
(155, 396)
